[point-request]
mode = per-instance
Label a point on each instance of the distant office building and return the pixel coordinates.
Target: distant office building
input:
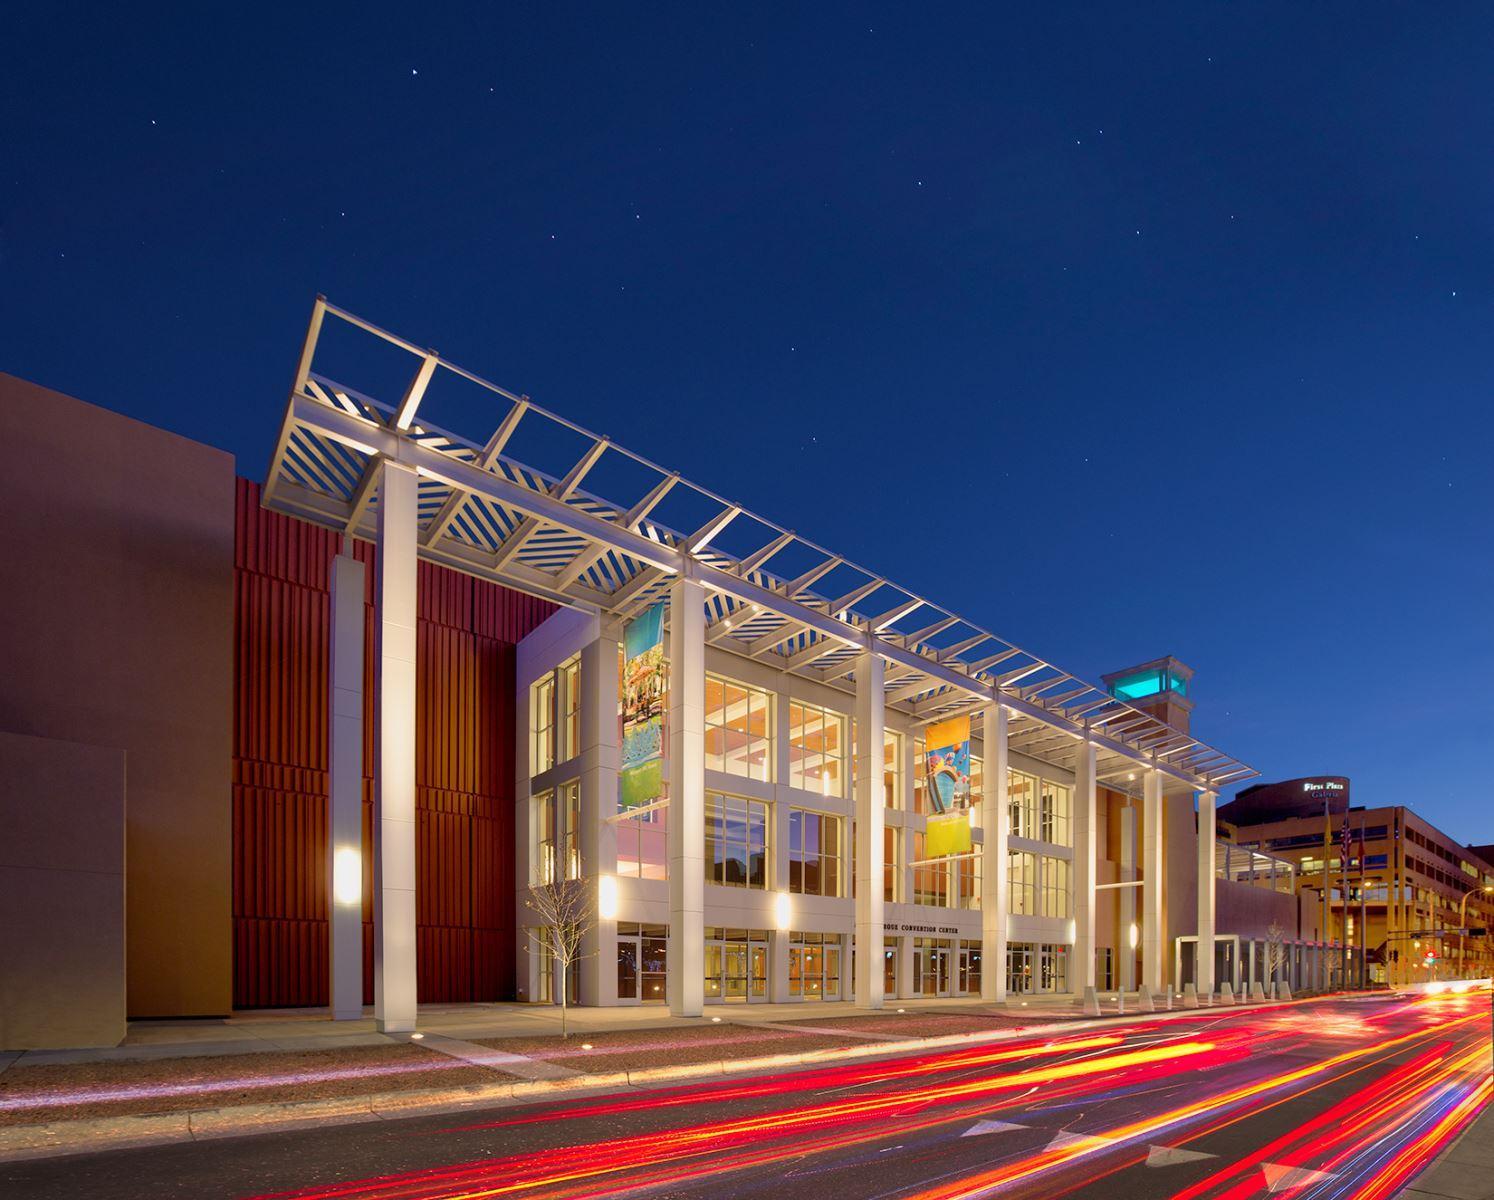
(1407, 880)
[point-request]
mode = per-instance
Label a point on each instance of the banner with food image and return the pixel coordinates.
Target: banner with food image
(641, 780)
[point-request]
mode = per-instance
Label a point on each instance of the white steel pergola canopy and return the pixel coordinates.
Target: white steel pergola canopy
(771, 594)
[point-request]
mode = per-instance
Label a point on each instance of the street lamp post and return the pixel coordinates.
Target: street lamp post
(1463, 924)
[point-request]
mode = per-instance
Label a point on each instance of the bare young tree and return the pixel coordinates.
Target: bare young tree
(565, 913)
(1275, 950)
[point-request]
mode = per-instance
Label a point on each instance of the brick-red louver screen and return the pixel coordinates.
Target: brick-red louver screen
(464, 769)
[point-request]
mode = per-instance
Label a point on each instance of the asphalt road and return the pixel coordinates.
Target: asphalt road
(1344, 1098)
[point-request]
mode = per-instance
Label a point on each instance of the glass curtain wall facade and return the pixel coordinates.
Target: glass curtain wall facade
(777, 858)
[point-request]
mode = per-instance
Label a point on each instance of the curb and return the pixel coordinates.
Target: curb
(92, 1135)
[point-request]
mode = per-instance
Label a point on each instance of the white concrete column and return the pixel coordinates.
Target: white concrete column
(1204, 966)
(1153, 943)
(1125, 951)
(778, 871)
(871, 807)
(994, 821)
(686, 829)
(394, 785)
(597, 837)
(345, 793)
(1086, 845)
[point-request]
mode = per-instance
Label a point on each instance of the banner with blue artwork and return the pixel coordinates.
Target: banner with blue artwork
(946, 764)
(641, 780)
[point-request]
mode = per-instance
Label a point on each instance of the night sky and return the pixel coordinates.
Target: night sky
(1124, 334)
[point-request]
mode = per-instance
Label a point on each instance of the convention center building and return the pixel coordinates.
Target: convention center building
(333, 739)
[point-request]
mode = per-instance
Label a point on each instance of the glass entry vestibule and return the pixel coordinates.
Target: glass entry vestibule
(642, 956)
(1036, 967)
(945, 967)
(933, 966)
(736, 965)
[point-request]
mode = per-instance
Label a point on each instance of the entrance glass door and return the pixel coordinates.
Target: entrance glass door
(736, 965)
(967, 982)
(1019, 969)
(941, 970)
(933, 964)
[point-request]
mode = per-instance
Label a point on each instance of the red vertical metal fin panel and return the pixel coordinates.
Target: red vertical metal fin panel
(464, 740)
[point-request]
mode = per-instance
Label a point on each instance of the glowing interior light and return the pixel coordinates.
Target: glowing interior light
(347, 875)
(607, 897)
(782, 913)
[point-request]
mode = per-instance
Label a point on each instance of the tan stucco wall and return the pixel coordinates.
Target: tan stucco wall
(62, 894)
(116, 611)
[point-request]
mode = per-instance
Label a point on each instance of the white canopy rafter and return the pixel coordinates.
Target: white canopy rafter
(538, 530)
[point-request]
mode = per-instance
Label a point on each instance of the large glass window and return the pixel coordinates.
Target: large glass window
(1038, 885)
(892, 768)
(736, 849)
(738, 729)
(1056, 899)
(892, 862)
(547, 837)
(642, 850)
(1021, 804)
(555, 716)
(817, 749)
(542, 725)
(557, 823)
(1021, 883)
(966, 891)
(930, 878)
(814, 853)
(570, 800)
(1053, 812)
(814, 965)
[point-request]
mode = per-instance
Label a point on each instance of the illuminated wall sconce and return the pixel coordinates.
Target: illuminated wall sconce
(1134, 934)
(782, 913)
(607, 897)
(347, 875)
(1073, 930)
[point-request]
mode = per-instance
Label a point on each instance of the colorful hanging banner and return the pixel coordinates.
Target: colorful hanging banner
(948, 834)
(946, 764)
(641, 780)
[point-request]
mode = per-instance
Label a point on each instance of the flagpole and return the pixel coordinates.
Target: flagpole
(1327, 880)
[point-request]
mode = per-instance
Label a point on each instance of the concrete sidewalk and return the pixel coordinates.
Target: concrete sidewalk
(311, 1029)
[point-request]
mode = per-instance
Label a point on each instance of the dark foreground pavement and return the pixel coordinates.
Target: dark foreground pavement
(1339, 1098)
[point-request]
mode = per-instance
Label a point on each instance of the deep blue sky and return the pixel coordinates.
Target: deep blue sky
(1172, 324)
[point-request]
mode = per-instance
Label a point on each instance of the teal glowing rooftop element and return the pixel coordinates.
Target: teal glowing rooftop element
(1150, 682)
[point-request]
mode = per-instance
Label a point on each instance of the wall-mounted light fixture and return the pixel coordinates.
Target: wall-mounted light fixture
(1134, 934)
(347, 875)
(607, 897)
(782, 910)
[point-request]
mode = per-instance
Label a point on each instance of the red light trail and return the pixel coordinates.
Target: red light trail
(1387, 1092)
